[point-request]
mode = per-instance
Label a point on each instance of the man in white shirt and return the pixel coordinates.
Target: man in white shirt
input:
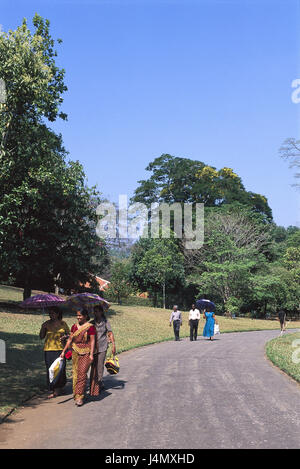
(194, 317)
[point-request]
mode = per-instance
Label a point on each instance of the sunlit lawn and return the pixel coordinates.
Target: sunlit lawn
(23, 374)
(284, 352)
(10, 293)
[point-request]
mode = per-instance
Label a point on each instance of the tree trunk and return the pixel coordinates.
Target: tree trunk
(56, 287)
(265, 309)
(164, 295)
(26, 292)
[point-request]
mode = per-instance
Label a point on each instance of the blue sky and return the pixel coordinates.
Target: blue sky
(207, 80)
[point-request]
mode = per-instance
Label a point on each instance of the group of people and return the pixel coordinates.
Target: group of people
(87, 341)
(194, 317)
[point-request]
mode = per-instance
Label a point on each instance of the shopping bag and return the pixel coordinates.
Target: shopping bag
(112, 365)
(216, 329)
(55, 369)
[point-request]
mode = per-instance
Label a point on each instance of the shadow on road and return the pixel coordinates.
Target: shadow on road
(109, 383)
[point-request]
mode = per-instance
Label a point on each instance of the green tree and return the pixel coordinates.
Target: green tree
(235, 247)
(233, 305)
(293, 239)
(267, 289)
(120, 286)
(184, 180)
(47, 216)
(291, 261)
(157, 266)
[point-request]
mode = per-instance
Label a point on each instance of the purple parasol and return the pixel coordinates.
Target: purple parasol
(87, 299)
(42, 301)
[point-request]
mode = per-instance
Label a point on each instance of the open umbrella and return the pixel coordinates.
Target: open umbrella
(87, 300)
(205, 304)
(42, 301)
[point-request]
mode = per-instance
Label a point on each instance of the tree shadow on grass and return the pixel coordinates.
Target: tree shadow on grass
(24, 373)
(112, 312)
(8, 308)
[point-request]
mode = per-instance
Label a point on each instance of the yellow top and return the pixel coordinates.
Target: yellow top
(53, 335)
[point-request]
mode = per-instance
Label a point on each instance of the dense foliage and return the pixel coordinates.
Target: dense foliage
(47, 213)
(183, 180)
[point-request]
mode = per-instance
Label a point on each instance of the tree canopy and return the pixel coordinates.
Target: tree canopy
(47, 212)
(184, 180)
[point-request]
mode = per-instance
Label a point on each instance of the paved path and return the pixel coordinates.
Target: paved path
(221, 394)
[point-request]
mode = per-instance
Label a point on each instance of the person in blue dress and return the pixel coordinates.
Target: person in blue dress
(209, 327)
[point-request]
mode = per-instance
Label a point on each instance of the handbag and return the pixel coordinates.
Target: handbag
(112, 365)
(216, 329)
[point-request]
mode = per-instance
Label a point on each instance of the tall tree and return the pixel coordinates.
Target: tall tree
(236, 245)
(183, 180)
(47, 217)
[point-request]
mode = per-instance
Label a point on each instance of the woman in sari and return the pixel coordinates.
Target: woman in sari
(103, 337)
(82, 340)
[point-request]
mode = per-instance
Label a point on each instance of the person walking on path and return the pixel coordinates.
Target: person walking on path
(83, 341)
(52, 331)
(209, 327)
(194, 317)
(177, 321)
(282, 319)
(103, 337)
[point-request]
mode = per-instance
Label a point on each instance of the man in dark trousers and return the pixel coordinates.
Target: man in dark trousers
(177, 321)
(282, 318)
(194, 316)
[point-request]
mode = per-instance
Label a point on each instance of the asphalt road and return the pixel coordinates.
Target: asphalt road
(189, 395)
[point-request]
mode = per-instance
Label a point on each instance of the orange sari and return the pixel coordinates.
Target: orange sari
(81, 349)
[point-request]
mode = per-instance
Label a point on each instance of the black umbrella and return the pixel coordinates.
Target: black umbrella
(205, 304)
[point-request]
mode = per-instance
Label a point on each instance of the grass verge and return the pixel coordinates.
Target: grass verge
(284, 352)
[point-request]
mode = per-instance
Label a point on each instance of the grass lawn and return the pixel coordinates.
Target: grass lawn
(13, 294)
(284, 352)
(23, 374)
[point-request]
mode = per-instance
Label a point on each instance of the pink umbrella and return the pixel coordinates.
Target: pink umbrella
(42, 301)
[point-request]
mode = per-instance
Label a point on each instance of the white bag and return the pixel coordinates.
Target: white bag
(216, 329)
(55, 369)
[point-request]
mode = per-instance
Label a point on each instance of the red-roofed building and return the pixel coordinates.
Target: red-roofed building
(103, 284)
